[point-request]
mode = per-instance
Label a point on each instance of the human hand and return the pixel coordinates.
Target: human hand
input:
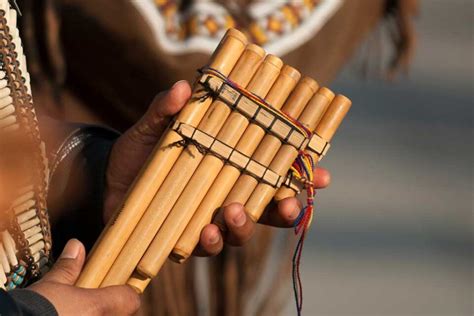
(133, 148)
(57, 286)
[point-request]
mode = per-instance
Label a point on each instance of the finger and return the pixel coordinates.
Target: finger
(210, 242)
(164, 106)
(135, 146)
(285, 212)
(322, 178)
(67, 268)
(282, 213)
(116, 300)
(240, 226)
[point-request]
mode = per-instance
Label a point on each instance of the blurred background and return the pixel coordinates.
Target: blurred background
(393, 233)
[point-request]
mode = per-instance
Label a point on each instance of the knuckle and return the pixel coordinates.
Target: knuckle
(64, 272)
(212, 250)
(69, 276)
(142, 133)
(128, 293)
(128, 298)
(98, 307)
(135, 302)
(102, 301)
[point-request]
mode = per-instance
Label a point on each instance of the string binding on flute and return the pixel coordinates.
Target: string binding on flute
(288, 130)
(206, 143)
(275, 122)
(256, 109)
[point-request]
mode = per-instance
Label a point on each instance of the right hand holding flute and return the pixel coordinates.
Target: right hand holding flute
(231, 224)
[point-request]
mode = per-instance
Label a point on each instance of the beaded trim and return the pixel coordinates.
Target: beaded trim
(278, 26)
(25, 246)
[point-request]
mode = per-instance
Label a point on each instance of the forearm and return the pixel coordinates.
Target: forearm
(78, 161)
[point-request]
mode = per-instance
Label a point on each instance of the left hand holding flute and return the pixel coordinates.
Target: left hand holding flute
(231, 224)
(57, 286)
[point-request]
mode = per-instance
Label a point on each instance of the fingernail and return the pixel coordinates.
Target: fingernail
(177, 83)
(71, 250)
(240, 219)
(214, 238)
(295, 213)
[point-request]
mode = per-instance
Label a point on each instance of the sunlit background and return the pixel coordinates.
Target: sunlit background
(393, 234)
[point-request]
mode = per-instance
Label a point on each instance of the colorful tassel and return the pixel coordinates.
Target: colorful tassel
(303, 170)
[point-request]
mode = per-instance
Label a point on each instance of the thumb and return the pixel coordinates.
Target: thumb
(133, 148)
(69, 264)
(116, 300)
(148, 130)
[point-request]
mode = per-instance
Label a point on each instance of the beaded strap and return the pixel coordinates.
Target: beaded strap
(25, 246)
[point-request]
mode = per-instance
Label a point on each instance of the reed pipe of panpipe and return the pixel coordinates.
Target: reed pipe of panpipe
(152, 175)
(269, 147)
(285, 191)
(263, 193)
(229, 174)
(138, 282)
(207, 172)
(189, 160)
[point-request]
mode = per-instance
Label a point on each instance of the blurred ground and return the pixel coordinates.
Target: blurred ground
(393, 234)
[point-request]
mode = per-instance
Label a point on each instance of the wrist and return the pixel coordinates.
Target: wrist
(79, 176)
(28, 302)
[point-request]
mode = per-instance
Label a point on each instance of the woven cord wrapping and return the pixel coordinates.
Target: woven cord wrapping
(301, 170)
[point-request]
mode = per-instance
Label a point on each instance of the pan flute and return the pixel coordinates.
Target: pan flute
(25, 238)
(252, 131)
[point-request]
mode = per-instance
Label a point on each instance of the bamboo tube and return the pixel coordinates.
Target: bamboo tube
(3, 279)
(138, 282)
(331, 120)
(184, 168)
(207, 172)
(264, 154)
(229, 174)
(152, 175)
(4, 260)
(286, 192)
